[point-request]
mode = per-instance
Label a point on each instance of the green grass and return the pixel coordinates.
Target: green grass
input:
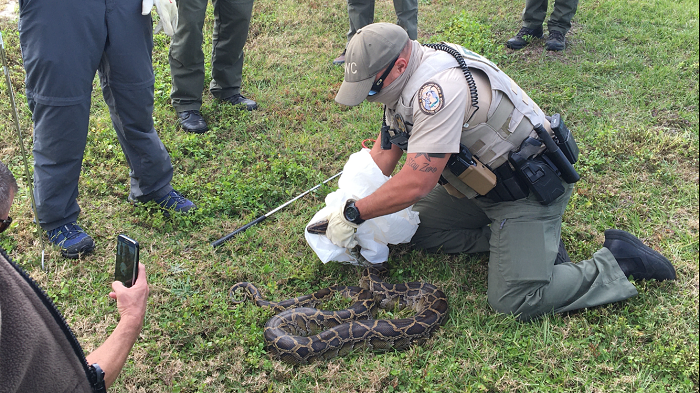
(628, 88)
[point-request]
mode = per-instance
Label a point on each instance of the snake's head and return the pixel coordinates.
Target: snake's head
(318, 228)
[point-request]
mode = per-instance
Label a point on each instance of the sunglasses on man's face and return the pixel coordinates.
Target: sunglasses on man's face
(379, 83)
(4, 224)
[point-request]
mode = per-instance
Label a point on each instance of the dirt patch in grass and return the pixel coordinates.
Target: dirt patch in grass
(8, 9)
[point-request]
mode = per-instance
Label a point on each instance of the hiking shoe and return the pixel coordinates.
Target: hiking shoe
(174, 202)
(523, 38)
(556, 41)
(170, 202)
(72, 240)
(636, 259)
(192, 121)
(340, 60)
(238, 99)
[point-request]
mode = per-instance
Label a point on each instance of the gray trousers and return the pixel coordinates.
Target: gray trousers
(231, 21)
(63, 45)
(523, 240)
(361, 13)
(560, 20)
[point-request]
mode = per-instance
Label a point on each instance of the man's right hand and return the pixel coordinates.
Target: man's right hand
(131, 302)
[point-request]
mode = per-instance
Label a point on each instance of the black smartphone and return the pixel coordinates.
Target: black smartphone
(126, 269)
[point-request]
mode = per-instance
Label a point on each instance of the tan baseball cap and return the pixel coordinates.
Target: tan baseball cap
(372, 48)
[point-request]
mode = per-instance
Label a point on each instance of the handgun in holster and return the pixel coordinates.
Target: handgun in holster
(471, 171)
(538, 172)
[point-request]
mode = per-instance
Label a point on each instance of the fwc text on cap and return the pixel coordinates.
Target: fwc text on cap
(370, 50)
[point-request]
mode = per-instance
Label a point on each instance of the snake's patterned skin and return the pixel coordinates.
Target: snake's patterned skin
(300, 333)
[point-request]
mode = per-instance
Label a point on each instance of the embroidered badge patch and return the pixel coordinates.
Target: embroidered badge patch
(431, 98)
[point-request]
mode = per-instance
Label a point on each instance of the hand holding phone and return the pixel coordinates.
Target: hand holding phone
(131, 302)
(126, 268)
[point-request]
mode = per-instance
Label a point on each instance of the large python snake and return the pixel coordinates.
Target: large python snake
(300, 333)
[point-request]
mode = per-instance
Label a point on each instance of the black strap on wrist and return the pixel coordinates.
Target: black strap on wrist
(97, 379)
(357, 220)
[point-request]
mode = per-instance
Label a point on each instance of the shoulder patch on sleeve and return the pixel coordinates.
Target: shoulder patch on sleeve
(431, 98)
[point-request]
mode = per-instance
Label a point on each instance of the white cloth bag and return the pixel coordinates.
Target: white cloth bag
(361, 177)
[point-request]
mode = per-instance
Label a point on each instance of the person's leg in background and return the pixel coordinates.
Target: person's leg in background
(532, 16)
(360, 14)
(127, 86)
(559, 24)
(231, 22)
(407, 16)
(187, 65)
(60, 59)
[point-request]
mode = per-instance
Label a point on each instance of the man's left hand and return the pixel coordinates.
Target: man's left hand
(340, 231)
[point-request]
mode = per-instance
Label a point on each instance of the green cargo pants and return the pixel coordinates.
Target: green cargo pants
(523, 240)
(361, 13)
(231, 21)
(560, 20)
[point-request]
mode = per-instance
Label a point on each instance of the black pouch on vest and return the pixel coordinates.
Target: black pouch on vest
(508, 186)
(538, 173)
(398, 138)
(565, 139)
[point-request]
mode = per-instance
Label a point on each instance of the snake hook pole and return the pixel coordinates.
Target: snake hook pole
(271, 212)
(6, 70)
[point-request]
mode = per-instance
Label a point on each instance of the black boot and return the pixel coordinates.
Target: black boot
(562, 256)
(523, 38)
(192, 121)
(238, 99)
(556, 41)
(636, 259)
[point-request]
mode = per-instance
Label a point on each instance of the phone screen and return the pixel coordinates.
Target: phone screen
(127, 264)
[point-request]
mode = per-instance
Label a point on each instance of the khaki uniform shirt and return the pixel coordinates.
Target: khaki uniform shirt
(439, 108)
(438, 113)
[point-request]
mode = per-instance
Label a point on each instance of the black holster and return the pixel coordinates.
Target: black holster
(537, 171)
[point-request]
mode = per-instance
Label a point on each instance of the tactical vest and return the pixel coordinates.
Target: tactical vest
(510, 117)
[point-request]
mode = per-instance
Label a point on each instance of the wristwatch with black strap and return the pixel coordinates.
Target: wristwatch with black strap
(97, 379)
(352, 213)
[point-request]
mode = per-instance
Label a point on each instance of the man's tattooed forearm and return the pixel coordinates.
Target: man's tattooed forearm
(428, 155)
(421, 167)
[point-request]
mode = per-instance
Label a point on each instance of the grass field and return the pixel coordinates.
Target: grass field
(627, 86)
